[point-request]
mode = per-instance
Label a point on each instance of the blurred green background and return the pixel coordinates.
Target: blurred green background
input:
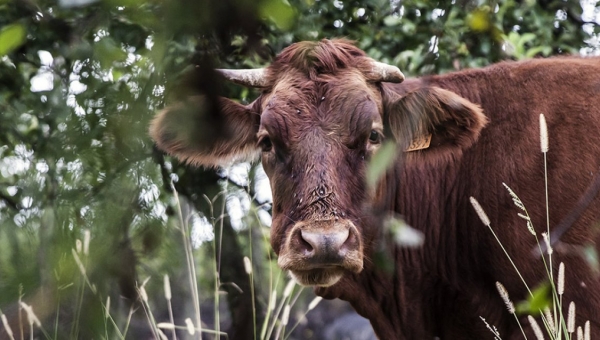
(80, 81)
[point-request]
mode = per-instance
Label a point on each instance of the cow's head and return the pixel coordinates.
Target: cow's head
(322, 114)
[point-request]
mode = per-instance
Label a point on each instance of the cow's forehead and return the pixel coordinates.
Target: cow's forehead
(334, 98)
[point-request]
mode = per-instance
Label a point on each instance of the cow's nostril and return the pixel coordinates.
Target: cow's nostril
(304, 244)
(350, 242)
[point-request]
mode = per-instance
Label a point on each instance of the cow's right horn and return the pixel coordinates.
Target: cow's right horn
(248, 77)
(386, 73)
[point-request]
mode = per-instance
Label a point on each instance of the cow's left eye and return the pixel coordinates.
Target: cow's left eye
(265, 144)
(375, 137)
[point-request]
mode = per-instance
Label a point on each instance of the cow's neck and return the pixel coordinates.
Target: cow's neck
(392, 299)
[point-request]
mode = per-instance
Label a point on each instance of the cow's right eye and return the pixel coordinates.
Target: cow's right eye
(265, 144)
(375, 137)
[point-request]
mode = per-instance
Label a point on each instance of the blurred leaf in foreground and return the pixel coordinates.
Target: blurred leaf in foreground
(381, 161)
(11, 37)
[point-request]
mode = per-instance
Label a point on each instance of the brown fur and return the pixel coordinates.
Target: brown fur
(318, 114)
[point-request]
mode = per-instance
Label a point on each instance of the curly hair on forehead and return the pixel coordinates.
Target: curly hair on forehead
(313, 58)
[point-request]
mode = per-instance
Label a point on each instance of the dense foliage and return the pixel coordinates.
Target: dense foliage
(81, 79)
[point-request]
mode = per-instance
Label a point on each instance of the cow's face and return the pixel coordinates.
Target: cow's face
(322, 115)
(315, 141)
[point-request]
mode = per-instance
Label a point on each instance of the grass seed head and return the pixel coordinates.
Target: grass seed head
(516, 200)
(587, 335)
(479, 210)
(571, 318)
(107, 308)
(314, 303)
(550, 320)
(288, 288)
(561, 279)
(86, 242)
(273, 300)
(539, 335)
(247, 265)
(285, 318)
(190, 326)
(504, 295)
(543, 134)
(167, 285)
(143, 294)
(165, 325)
(549, 249)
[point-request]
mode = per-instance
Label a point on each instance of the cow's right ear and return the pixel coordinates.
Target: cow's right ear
(195, 131)
(442, 121)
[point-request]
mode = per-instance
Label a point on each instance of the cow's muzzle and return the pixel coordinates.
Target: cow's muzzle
(317, 253)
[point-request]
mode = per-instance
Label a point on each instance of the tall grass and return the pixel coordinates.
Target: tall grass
(555, 323)
(281, 301)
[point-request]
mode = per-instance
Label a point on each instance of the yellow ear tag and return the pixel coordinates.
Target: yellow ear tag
(420, 143)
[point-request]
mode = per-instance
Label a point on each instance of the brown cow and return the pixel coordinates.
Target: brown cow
(326, 107)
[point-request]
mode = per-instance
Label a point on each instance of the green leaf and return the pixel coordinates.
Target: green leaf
(11, 38)
(107, 52)
(392, 20)
(534, 304)
(591, 256)
(381, 161)
(279, 12)
(403, 234)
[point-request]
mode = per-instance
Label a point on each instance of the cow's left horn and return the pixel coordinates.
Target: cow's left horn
(386, 73)
(249, 77)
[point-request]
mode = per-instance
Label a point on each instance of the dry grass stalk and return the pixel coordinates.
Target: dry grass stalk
(86, 242)
(107, 308)
(167, 286)
(504, 295)
(486, 221)
(165, 325)
(516, 200)
(550, 321)
(143, 294)
(571, 318)
(479, 210)
(7, 327)
(492, 329)
(190, 326)
(561, 279)
(314, 303)
(285, 317)
(78, 246)
(587, 335)
(288, 288)
(272, 301)
(31, 317)
(543, 134)
(549, 249)
(536, 328)
(247, 265)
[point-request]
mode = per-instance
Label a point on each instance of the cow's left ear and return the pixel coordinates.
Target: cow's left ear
(207, 133)
(433, 120)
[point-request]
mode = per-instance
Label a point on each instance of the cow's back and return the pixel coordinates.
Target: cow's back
(434, 193)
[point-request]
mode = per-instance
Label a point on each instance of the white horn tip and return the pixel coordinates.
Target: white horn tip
(394, 75)
(387, 73)
(247, 77)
